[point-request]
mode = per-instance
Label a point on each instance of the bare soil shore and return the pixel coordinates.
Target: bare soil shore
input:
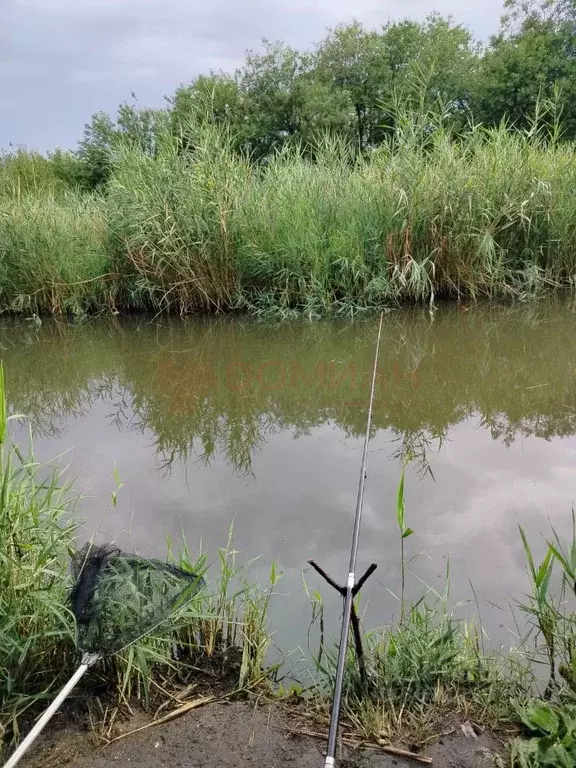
(236, 735)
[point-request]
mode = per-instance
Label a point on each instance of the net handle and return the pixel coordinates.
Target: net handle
(24, 746)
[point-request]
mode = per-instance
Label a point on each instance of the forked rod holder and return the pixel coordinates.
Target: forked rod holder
(354, 620)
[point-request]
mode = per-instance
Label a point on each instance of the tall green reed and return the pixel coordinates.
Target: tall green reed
(548, 722)
(199, 226)
(36, 626)
(552, 607)
(405, 532)
(223, 631)
(169, 222)
(54, 254)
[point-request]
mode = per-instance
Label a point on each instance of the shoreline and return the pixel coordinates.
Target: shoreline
(423, 669)
(244, 734)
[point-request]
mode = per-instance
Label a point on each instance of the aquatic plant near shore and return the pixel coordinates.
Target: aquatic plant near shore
(54, 254)
(422, 669)
(552, 736)
(405, 532)
(223, 629)
(549, 722)
(429, 666)
(222, 633)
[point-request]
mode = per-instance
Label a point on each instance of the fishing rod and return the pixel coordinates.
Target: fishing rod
(352, 586)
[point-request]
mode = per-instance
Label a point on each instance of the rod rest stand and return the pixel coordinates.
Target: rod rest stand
(354, 620)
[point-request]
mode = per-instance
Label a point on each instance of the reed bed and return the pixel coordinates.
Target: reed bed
(54, 254)
(198, 226)
(219, 640)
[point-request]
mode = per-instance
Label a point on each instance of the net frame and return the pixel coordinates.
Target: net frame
(90, 568)
(118, 598)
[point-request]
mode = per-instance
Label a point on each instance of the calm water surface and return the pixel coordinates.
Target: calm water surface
(214, 421)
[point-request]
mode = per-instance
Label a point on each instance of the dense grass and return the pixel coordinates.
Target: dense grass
(424, 671)
(36, 627)
(222, 633)
(53, 254)
(489, 213)
(428, 669)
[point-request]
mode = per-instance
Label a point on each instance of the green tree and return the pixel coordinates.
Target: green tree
(270, 83)
(533, 58)
(133, 125)
(353, 60)
(214, 97)
(345, 87)
(432, 59)
(518, 12)
(94, 150)
(138, 126)
(67, 167)
(283, 100)
(450, 55)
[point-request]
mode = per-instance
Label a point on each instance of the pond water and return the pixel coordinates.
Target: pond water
(214, 421)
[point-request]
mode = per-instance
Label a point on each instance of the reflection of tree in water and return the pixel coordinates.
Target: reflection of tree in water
(544, 426)
(224, 386)
(239, 443)
(46, 410)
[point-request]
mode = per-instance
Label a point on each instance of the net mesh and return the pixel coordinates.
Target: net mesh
(118, 598)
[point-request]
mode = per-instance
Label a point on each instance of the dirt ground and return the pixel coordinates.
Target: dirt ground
(236, 735)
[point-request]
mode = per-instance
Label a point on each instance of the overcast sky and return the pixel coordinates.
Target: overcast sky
(63, 60)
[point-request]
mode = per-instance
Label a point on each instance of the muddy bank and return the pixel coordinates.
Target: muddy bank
(235, 735)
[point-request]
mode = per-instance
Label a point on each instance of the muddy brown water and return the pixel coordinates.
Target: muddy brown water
(214, 421)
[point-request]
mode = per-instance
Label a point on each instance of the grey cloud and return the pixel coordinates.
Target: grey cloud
(62, 60)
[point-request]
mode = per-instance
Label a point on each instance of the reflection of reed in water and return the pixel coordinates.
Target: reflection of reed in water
(209, 386)
(415, 448)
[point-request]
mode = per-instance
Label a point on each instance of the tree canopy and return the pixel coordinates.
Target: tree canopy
(532, 58)
(346, 85)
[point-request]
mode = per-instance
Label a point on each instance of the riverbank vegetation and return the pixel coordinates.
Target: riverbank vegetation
(395, 165)
(217, 641)
(425, 669)
(428, 669)
(487, 214)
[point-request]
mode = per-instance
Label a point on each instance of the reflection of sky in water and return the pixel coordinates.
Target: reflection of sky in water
(299, 502)
(487, 385)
